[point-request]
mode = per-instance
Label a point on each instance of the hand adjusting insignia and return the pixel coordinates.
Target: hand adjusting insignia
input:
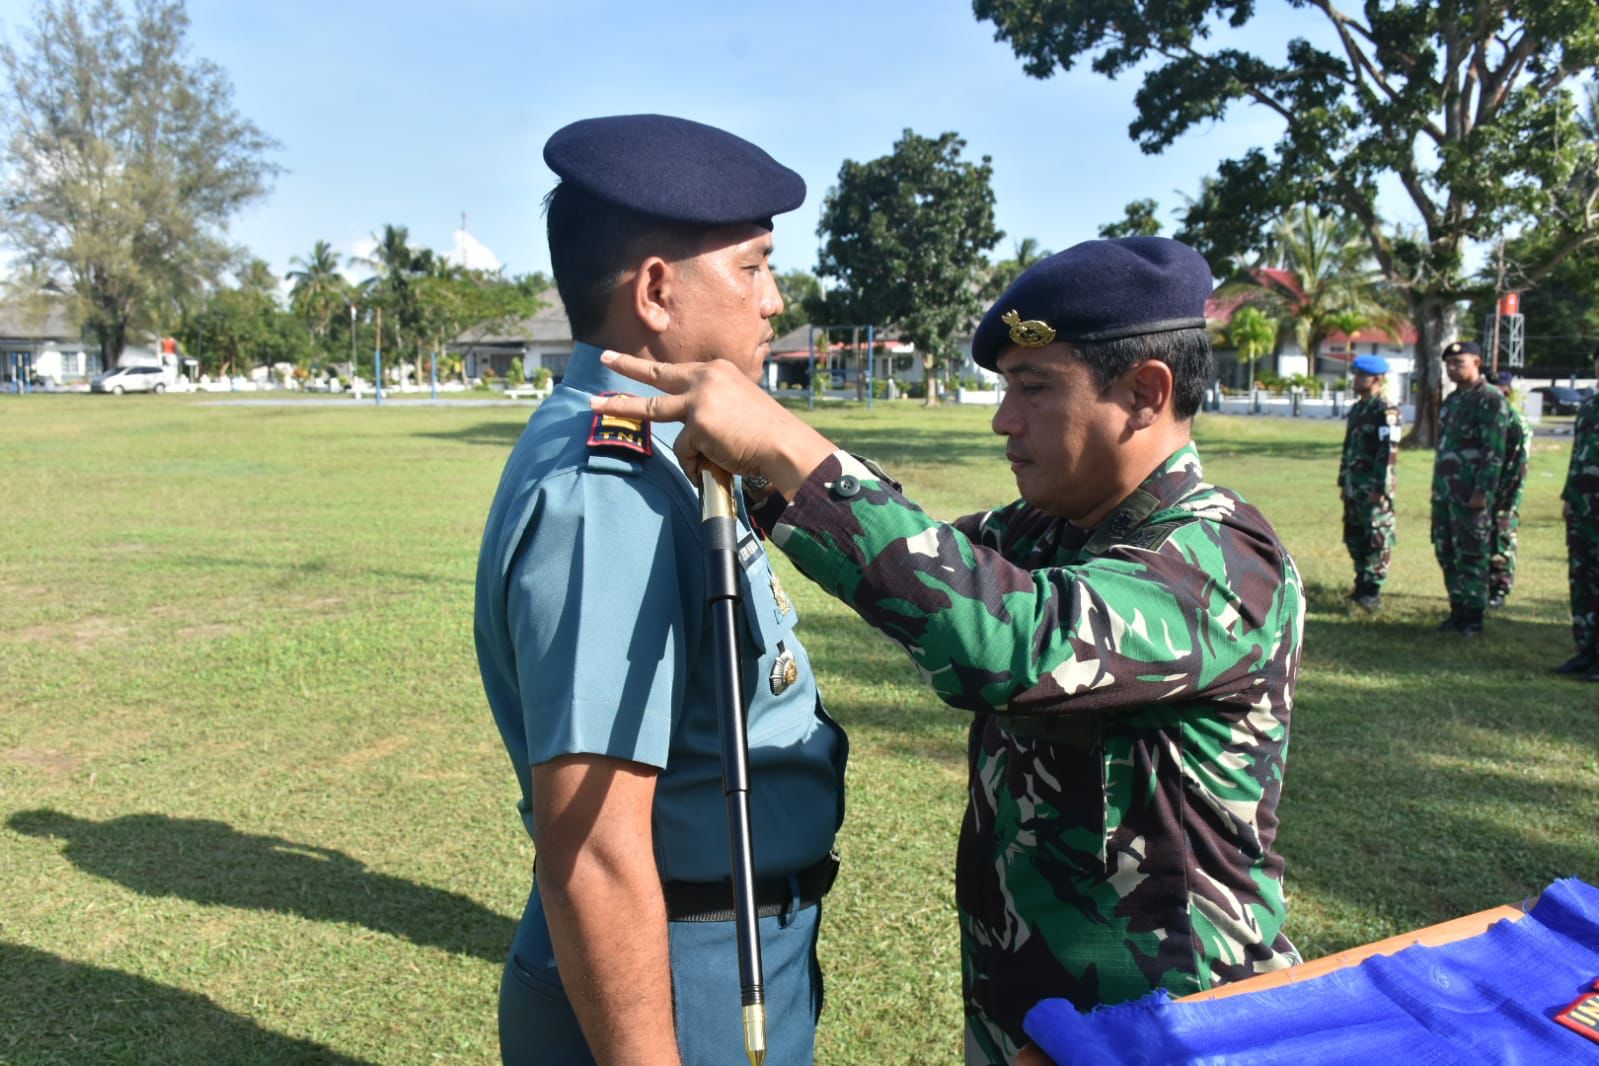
(1029, 334)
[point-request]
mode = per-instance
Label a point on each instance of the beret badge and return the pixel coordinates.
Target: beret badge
(1029, 334)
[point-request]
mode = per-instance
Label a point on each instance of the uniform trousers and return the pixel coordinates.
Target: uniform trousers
(1582, 561)
(538, 1027)
(1462, 539)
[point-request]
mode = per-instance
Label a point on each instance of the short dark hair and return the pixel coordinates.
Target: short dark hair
(592, 242)
(1186, 351)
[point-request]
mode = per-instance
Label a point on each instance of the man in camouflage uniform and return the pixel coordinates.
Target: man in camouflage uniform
(1127, 635)
(1580, 502)
(1507, 507)
(1466, 476)
(1366, 480)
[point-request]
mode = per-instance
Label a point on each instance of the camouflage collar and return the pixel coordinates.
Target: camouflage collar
(1171, 481)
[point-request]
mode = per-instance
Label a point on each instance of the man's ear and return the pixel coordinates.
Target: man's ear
(650, 293)
(1150, 385)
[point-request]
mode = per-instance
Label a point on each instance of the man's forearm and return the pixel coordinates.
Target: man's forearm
(608, 926)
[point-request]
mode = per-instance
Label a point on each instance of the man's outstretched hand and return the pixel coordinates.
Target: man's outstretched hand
(728, 420)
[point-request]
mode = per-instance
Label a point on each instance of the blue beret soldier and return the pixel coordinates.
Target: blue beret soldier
(1366, 479)
(593, 640)
(1466, 475)
(1126, 635)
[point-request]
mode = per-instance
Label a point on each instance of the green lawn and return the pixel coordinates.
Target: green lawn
(253, 809)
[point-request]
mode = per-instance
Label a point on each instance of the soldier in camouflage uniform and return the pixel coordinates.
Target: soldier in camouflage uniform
(1465, 485)
(1507, 507)
(1126, 634)
(1580, 500)
(1366, 480)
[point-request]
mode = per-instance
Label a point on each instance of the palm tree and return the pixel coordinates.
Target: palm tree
(1026, 252)
(319, 293)
(1252, 334)
(1321, 280)
(393, 264)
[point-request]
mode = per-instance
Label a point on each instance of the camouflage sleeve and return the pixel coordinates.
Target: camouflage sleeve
(1346, 459)
(1204, 612)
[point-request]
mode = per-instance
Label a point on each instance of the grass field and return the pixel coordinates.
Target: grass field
(253, 809)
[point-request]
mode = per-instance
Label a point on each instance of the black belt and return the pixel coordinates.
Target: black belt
(1078, 730)
(712, 901)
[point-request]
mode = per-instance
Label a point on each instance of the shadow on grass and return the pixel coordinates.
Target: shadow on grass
(56, 1011)
(211, 862)
(500, 435)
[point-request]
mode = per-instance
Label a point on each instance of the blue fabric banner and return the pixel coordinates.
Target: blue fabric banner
(1491, 998)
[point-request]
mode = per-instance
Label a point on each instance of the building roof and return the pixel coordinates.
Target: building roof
(57, 324)
(547, 325)
(1220, 308)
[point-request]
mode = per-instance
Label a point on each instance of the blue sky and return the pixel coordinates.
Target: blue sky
(413, 113)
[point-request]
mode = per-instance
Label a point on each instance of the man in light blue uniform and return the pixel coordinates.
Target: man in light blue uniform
(594, 641)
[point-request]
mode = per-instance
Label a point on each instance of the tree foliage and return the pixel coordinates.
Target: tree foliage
(125, 159)
(236, 328)
(1466, 106)
(800, 290)
(1320, 280)
(1252, 333)
(1024, 254)
(904, 239)
(1138, 220)
(320, 295)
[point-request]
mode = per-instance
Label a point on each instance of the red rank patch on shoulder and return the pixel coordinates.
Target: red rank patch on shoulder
(626, 434)
(1582, 1015)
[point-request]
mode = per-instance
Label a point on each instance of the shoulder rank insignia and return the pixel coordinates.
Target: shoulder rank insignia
(1029, 334)
(625, 434)
(1582, 1015)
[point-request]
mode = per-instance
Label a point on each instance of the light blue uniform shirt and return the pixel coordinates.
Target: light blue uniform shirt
(593, 638)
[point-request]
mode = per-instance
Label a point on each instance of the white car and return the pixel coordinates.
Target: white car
(130, 379)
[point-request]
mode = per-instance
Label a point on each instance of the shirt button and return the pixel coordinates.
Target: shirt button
(846, 486)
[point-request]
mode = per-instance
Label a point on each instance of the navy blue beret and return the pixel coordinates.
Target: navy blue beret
(673, 169)
(1504, 377)
(1098, 291)
(1463, 348)
(1370, 364)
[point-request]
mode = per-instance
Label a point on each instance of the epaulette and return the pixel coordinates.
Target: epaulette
(617, 443)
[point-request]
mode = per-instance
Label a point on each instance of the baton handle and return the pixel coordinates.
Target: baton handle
(720, 529)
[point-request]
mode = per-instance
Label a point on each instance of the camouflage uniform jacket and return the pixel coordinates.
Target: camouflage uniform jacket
(1581, 493)
(1133, 683)
(1371, 450)
(1518, 445)
(1471, 444)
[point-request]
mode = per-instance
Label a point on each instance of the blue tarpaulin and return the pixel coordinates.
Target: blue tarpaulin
(1491, 998)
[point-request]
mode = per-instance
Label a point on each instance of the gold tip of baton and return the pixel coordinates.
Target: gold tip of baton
(717, 493)
(755, 1033)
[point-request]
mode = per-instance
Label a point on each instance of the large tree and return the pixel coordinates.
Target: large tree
(236, 328)
(904, 237)
(1464, 105)
(125, 160)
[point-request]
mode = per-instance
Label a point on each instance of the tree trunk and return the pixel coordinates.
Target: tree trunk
(1437, 323)
(113, 338)
(930, 379)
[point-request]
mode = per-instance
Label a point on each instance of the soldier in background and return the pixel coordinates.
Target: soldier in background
(1465, 485)
(1580, 500)
(1126, 633)
(1507, 506)
(1366, 480)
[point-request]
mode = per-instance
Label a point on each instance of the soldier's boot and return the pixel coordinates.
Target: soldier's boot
(1470, 624)
(1452, 623)
(1580, 663)
(1366, 597)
